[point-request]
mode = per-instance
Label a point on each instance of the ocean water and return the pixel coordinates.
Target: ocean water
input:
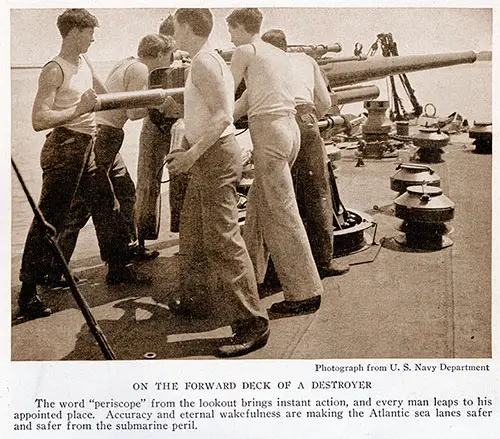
(466, 89)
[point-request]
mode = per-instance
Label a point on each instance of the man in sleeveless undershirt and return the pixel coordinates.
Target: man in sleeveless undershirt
(216, 270)
(64, 102)
(273, 225)
(310, 171)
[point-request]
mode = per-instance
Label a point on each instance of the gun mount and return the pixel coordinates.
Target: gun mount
(350, 226)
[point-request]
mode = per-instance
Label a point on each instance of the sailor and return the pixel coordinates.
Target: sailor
(211, 247)
(273, 224)
(310, 171)
(154, 51)
(129, 74)
(63, 103)
(154, 145)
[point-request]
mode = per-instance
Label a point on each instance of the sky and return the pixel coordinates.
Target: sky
(34, 36)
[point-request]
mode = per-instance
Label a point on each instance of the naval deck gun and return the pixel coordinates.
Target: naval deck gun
(344, 79)
(339, 74)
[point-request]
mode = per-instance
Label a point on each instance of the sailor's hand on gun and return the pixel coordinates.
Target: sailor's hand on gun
(179, 162)
(88, 101)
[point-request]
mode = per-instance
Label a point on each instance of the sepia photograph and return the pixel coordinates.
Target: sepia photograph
(272, 183)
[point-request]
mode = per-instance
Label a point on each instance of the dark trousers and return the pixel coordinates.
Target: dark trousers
(154, 145)
(118, 185)
(124, 191)
(69, 170)
(312, 185)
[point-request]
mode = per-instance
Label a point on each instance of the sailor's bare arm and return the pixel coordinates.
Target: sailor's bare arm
(239, 62)
(241, 106)
(136, 78)
(43, 115)
(206, 74)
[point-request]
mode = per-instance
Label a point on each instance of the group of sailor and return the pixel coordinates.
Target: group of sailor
(289, 216)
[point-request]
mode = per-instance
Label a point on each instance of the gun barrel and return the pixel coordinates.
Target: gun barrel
(315, 50)
(333, 60)
(353, 72)
(339, 123)
(347, 95)
(134, 99)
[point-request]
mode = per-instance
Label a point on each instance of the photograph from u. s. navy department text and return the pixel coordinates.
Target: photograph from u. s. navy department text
(255, 183)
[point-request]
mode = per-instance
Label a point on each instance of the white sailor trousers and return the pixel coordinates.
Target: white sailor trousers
(273, 225)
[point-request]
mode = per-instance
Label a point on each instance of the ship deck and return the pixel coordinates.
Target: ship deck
(393, 303)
